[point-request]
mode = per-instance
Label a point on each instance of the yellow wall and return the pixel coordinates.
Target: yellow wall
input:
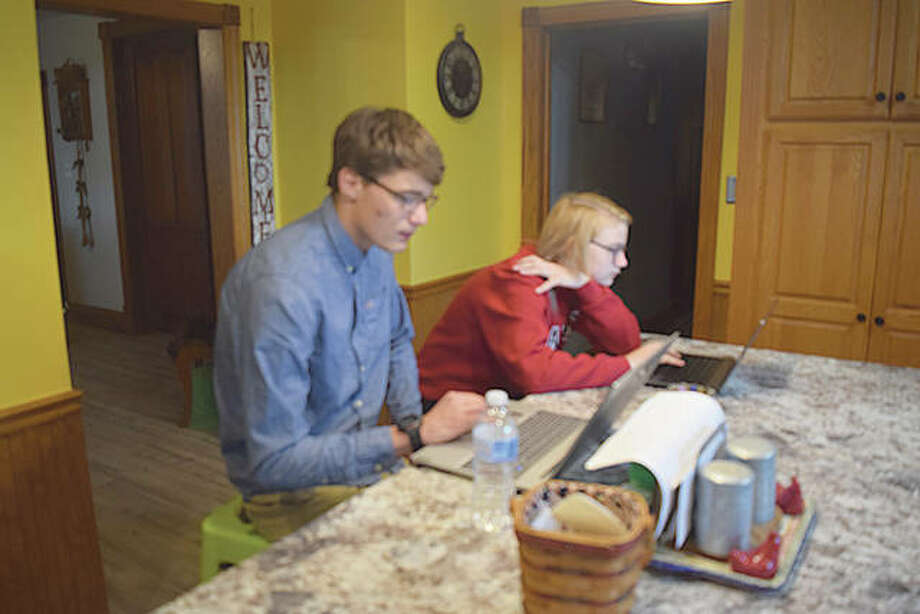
(331, 57)
(730, 130)
(473, 224)
(33, 360)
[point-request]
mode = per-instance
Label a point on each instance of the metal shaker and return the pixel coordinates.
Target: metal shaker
(760, 455)
(723, 507)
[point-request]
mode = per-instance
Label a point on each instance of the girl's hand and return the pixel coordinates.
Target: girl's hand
(555, 274)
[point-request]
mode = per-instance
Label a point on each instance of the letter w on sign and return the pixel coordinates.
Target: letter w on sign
(259, 124)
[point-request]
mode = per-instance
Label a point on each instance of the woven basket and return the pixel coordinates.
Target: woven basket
(576, 572)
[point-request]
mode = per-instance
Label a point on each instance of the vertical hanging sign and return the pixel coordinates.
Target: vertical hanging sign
(259, 124)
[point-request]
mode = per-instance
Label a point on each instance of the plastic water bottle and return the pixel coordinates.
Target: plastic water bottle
(495, 444)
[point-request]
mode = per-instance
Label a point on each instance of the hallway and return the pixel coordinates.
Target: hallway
(152, 481)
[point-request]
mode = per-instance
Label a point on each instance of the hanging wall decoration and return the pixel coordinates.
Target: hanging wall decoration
(259, 124)
(459, 76)
(77, 125)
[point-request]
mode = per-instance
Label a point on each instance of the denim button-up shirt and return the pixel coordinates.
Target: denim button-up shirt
(312, 334)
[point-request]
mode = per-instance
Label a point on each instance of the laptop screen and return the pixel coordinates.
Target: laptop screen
(621, 391)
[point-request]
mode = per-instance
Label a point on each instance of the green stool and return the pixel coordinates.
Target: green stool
(226, 540)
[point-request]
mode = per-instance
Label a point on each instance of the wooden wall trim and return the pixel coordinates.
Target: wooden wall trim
(612, 10)
(535, 116)
(428, 301)
(743, 310)
(237, 211)
(710, 186)
(199, 13)
(39, 411)
(98, 316)
(127, 284)
(49, 549)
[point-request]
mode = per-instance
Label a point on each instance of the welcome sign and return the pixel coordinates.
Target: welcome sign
(259, 124)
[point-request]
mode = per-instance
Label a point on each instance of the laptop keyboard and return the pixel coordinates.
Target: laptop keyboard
(699, 369)
(539, 434)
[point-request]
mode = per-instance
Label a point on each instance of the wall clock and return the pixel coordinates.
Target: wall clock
(459, 76)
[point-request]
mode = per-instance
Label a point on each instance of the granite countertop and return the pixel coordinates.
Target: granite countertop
(849, 430)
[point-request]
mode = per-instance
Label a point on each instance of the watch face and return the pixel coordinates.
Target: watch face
(459, 78)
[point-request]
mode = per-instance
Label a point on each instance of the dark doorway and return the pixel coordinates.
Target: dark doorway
(638, 141)
(157, 94)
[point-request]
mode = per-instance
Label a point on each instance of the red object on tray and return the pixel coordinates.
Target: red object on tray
(789, 499)
(761, 562)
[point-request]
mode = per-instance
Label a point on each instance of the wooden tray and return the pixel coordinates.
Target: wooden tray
(795, 531)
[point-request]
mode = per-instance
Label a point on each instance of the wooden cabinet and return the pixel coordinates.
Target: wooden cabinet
(819, 235)
(895, 316)
(844, 59)
(827, 224)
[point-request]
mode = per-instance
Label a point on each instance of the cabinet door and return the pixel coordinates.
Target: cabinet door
(831, 59)
(896, 338)
(820, 210)
(905, 87)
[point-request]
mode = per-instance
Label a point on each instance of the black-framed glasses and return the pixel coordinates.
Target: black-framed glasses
(614, 251)
(409, 199)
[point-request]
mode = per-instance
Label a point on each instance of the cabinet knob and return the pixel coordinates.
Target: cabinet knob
(900, 96)
(879, 321)
(880, 96)
(860, 317)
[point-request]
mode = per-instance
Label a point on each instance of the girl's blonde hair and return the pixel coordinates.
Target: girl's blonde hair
(572, 223)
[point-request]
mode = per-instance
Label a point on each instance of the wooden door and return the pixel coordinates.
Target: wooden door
(820, 210)
(905, 85)
(895, 316)
(165, 194)
(831, 59)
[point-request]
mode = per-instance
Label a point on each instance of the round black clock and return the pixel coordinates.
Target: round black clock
(459, 77)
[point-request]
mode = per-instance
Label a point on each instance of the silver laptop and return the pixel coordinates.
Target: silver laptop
(548, 440)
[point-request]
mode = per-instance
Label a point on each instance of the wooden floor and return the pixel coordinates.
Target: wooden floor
(153, 481)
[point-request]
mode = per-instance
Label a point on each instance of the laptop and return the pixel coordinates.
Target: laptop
(551, 444)
(703, 373)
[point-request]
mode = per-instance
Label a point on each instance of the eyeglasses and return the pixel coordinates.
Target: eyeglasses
(409, 199)
(614, 251)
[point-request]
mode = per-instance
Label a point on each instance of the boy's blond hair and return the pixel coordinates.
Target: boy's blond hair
(374, 142)
(572, 223)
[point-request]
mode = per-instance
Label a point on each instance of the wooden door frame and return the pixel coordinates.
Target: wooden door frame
(221, 76)
(537, 25)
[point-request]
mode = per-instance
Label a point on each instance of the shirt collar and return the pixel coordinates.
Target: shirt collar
(349, 253)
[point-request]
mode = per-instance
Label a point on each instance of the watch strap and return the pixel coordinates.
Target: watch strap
(410, 426)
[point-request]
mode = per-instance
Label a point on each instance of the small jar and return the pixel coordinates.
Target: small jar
(723, 507)
(760, 455)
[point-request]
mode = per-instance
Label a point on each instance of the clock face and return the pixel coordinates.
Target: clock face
(459, 78)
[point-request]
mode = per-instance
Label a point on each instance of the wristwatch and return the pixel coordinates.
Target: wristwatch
(410, 425)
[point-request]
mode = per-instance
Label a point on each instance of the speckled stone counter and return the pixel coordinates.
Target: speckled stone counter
(850, 432)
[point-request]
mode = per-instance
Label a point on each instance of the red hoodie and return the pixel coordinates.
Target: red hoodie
(498, 333)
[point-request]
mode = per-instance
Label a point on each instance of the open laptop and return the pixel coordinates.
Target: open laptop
(705, 373)
(550, 443)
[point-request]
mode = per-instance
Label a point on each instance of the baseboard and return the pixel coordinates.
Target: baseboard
(721, 291)
(100, 317)
(428, 301)
(49, 548)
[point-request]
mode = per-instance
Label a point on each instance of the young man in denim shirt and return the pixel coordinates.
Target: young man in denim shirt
(314, 334)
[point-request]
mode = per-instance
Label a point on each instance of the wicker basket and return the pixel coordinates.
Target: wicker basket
(577, 572)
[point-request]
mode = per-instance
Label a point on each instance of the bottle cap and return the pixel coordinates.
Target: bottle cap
(496, 397)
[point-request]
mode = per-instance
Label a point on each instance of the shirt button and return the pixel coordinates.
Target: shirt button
(350, 269)
(369, 305)
(378, 467)
(363, 368)
(359, 403)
